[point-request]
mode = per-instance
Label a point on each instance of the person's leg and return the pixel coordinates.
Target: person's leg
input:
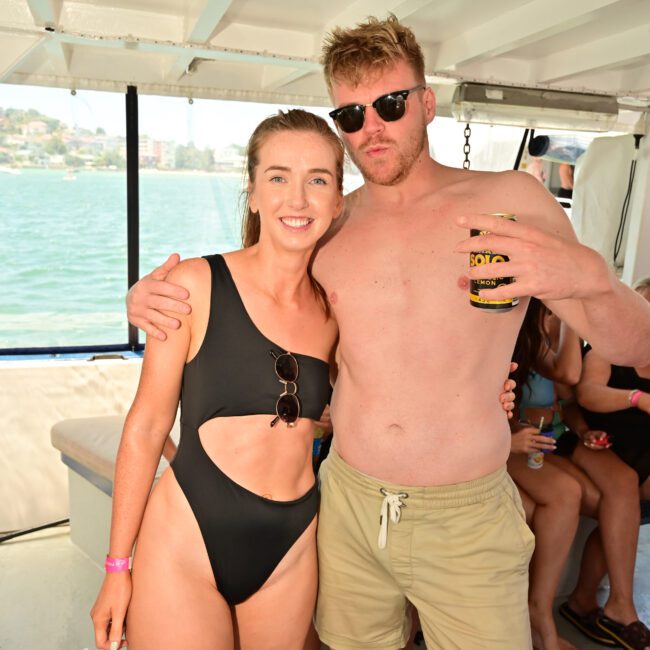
(618, 520)
(528, 504)
(360, 606)
(590, 500)
(558, 496)
(644, 490)
(471, 548)
(279, 615)
(175, 603)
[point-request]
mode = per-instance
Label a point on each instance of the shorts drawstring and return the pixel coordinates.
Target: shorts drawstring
(391, 505)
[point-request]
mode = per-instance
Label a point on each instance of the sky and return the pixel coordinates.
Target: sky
(208, 123)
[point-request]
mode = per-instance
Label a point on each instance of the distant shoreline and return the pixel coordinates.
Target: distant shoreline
(145, 170)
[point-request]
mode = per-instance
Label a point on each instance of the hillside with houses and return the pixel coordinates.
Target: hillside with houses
(29, 139)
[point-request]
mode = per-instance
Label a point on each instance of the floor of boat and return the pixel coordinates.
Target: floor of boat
(47, 586)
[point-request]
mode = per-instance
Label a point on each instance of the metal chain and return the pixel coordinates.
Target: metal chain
(466, 148)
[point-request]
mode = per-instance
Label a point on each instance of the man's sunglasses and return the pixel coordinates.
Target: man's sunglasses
(287, 408)
(389, 107)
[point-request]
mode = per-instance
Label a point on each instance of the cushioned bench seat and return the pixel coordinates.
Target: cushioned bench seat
(89, 447)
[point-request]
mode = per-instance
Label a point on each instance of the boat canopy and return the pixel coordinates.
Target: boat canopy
(268, 51)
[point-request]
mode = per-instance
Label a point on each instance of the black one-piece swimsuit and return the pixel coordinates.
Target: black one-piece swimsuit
(246, 535)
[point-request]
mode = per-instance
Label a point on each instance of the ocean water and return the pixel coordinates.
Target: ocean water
(63, 249)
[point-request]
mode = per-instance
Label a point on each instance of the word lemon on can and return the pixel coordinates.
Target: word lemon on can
(480, 258)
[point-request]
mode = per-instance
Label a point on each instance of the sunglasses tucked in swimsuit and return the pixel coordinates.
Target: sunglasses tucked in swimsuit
(390, 107)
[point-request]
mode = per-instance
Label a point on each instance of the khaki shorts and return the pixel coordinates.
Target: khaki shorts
(459, 553)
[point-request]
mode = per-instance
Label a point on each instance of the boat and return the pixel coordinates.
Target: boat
(569, 68)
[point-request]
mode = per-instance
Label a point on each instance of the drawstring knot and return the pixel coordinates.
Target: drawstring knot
(390, 507)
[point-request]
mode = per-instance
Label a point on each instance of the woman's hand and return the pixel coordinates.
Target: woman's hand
(528, 439)
(596, 440)
(109, 611)
(507, 398)
(325, 422)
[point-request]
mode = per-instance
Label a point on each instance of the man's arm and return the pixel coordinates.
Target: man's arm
(151, 294)
(548, 262)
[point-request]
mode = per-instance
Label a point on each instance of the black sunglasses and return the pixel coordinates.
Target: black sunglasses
(389, 107)
(287, 408)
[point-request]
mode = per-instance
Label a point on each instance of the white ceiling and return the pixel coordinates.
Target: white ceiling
(267, 50)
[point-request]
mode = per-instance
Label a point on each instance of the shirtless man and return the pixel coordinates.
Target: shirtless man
(413, 403)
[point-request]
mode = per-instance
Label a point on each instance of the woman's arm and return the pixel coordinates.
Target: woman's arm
(146, 429)
(593, 392)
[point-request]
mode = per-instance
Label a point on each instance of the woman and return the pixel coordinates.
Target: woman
(226, 552)
(615, 399)
(238, 508)
(553, 498)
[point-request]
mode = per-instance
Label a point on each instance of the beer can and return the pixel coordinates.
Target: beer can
(486, 257)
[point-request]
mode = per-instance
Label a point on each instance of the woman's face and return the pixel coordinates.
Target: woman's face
(295, 189)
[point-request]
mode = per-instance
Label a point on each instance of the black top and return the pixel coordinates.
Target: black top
(233, 373)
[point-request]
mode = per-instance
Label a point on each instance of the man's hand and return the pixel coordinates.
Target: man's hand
(151, 295)
(543, 265)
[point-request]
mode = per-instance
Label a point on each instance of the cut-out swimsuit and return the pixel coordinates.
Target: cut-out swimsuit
(233, 374)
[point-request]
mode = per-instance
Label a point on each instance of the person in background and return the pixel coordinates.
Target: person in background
(616, 399)
(553, 498)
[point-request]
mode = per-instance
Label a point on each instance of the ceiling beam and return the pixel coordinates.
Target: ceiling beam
(45, 12)
(358, 11)
(528, 23)
(212, 52)
(60, 55)
(18, 51)
(207, 21)
(611, 51)
(201, 30)
(276, 77)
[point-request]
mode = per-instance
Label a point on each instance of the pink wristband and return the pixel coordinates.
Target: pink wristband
(634, 398)
(116, 564)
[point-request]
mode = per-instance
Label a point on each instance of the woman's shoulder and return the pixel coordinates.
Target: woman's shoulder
(192, 273)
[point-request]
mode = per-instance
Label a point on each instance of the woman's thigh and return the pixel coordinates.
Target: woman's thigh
(279, 615)
(546, 485)
(175, 602)
(590, 492)
(611, 475)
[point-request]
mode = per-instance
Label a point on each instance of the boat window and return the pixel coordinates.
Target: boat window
(492, 148)
(62, 217)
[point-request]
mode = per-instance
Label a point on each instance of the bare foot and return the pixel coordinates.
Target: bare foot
(544, 633)
(553, 642)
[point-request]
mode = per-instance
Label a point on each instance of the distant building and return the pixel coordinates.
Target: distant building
(35, 127)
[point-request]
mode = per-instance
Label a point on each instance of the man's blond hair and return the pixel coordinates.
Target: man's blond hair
(349, 54)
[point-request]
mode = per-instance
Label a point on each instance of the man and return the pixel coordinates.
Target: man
(416, 503)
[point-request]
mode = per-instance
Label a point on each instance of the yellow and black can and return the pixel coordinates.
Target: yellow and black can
(486, 257)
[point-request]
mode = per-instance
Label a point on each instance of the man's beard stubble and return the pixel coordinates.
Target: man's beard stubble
(406, 160)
